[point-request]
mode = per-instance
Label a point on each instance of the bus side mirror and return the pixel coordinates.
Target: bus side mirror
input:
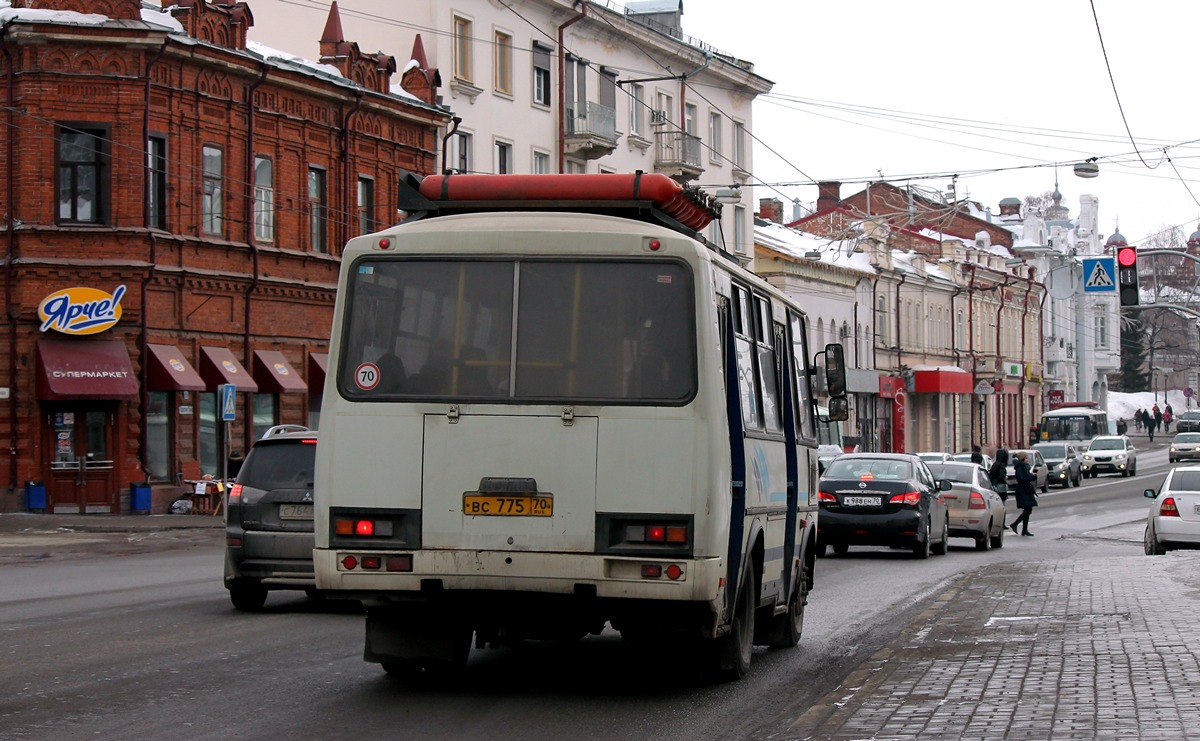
(839, 409)
(835, 371)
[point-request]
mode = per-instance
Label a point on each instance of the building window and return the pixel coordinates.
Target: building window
(575, 167)
(637, 106)
(264, 199)
(211, 437)
(714, 137)
(690, 124)
(366, 205)
(212, 209)
(881, 321)
(158, 435)
(462, 48)
(541, 74)
(541, 163)
(739, 145)
(502, 163)
(156, 191)
(317, 216)
(461, 158)
(82, 175)
(264, 413)
(504, 56)
(1101, 332)
(739, 227)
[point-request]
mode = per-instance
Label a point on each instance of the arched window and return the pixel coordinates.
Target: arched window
(881, 321)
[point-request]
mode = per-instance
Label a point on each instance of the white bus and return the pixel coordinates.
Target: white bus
(1076, 423)
(553, 412)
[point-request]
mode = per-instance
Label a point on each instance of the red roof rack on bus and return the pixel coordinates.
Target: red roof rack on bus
(647, 196)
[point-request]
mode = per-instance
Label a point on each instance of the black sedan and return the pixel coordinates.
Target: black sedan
(882, 499)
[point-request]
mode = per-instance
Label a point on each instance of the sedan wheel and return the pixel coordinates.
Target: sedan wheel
(943, 545)
(1151, 544)
(841, 549)
(998, 539)
(984, 542)
(921, 550)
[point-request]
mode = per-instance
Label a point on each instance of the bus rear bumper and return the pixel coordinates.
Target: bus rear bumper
(342, 573)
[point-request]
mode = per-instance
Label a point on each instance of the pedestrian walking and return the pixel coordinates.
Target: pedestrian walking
(1137, 419)
(1150, 426)
(1122, 427)
(998, 473)
(1167, 419)
(977, 455)
(1026, 498)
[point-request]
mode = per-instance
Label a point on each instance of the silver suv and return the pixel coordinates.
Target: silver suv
(1110, 454)
(269, 518)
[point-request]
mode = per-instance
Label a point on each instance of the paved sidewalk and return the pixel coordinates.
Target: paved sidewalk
(1094, 649)
(17, 522)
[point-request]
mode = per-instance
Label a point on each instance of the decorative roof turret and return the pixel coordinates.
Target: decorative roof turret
(1194, 240)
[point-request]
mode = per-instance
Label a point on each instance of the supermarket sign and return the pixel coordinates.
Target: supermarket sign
(81, 310)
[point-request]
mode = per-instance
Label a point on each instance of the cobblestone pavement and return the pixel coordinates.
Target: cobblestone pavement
(1092, 649)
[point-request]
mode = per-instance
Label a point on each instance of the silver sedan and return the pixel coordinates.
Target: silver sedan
(976, 510)
(1185, 447)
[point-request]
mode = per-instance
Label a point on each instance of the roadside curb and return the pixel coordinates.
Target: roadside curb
(33, 522)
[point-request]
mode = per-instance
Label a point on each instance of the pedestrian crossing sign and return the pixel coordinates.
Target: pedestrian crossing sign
(1099, 274)
(227, 394)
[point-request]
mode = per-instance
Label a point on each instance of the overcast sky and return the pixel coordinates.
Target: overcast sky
(962, 86)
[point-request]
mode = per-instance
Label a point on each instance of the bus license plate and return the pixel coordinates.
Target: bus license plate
(295, 512)
(861, 501)
(508, 505)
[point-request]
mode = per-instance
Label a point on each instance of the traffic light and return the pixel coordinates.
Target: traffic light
(1127, 277)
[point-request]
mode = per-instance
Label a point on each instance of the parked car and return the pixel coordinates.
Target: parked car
(1037, 465)
(976, 509)
(1188, 421)
(888, 499)
(1184, 446)
(1064, 462)
(935, 457)
(1174, 517)
(1110, 454)
(269, 518)
(966, 458)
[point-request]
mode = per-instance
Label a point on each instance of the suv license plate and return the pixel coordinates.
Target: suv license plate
(508, 505)
(861, 501)
(295, 512)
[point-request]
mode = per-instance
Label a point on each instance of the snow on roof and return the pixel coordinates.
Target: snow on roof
(797, 244)
(652, 6)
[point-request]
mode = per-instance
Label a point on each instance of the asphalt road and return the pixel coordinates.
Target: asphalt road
(132, 637)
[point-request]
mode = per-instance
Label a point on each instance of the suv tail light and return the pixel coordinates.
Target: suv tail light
(235, 493)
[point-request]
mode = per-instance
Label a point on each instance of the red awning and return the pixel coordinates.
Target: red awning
(318, 368)
(942, 382)
(218, 366)
(84, 369)
(168, 370)
(275, 375)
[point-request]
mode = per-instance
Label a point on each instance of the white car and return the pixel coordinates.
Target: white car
(933, 457)
(1110, 454)
(976, 510)
(966, 458)
(1174, 517)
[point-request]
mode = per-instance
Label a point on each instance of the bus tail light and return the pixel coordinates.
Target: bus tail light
(657, 533)
(1168, 508)
(362, 527)
(400, 563)
(673, 571)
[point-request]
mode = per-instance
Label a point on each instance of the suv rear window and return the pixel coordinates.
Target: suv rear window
(279, 465)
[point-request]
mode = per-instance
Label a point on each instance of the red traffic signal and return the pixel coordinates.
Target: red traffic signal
(1127, 257)
(1127, 275)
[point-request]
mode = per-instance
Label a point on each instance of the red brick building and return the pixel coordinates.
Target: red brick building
(174, 200)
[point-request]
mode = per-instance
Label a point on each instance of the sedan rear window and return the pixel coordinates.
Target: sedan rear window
(1053, 451)
(879, 468)
(961, 474)
(280, 466)
(1185, 481)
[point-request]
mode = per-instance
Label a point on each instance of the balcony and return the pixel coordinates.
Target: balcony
(591, 130)
(677, 155)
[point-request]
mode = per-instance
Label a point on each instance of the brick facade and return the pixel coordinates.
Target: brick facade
(200, 86)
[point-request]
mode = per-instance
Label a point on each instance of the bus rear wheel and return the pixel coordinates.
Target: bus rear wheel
(786, 629)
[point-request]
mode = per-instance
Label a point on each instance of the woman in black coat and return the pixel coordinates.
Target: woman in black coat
(1026, 498)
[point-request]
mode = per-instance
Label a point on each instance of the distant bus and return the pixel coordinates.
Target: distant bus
(553, 406)
(1074, 422)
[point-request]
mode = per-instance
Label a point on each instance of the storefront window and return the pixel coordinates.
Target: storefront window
(210, 441)
(264, 413)
(158, 436)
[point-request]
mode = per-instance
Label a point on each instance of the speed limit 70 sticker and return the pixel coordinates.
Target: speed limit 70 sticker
(366, 376)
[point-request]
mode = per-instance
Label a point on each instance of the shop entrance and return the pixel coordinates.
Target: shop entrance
(82, 475)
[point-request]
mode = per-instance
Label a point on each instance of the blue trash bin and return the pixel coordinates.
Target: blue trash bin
(139, 497)
(35, 496)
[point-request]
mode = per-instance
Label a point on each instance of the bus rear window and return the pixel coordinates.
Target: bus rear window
(524, 331)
